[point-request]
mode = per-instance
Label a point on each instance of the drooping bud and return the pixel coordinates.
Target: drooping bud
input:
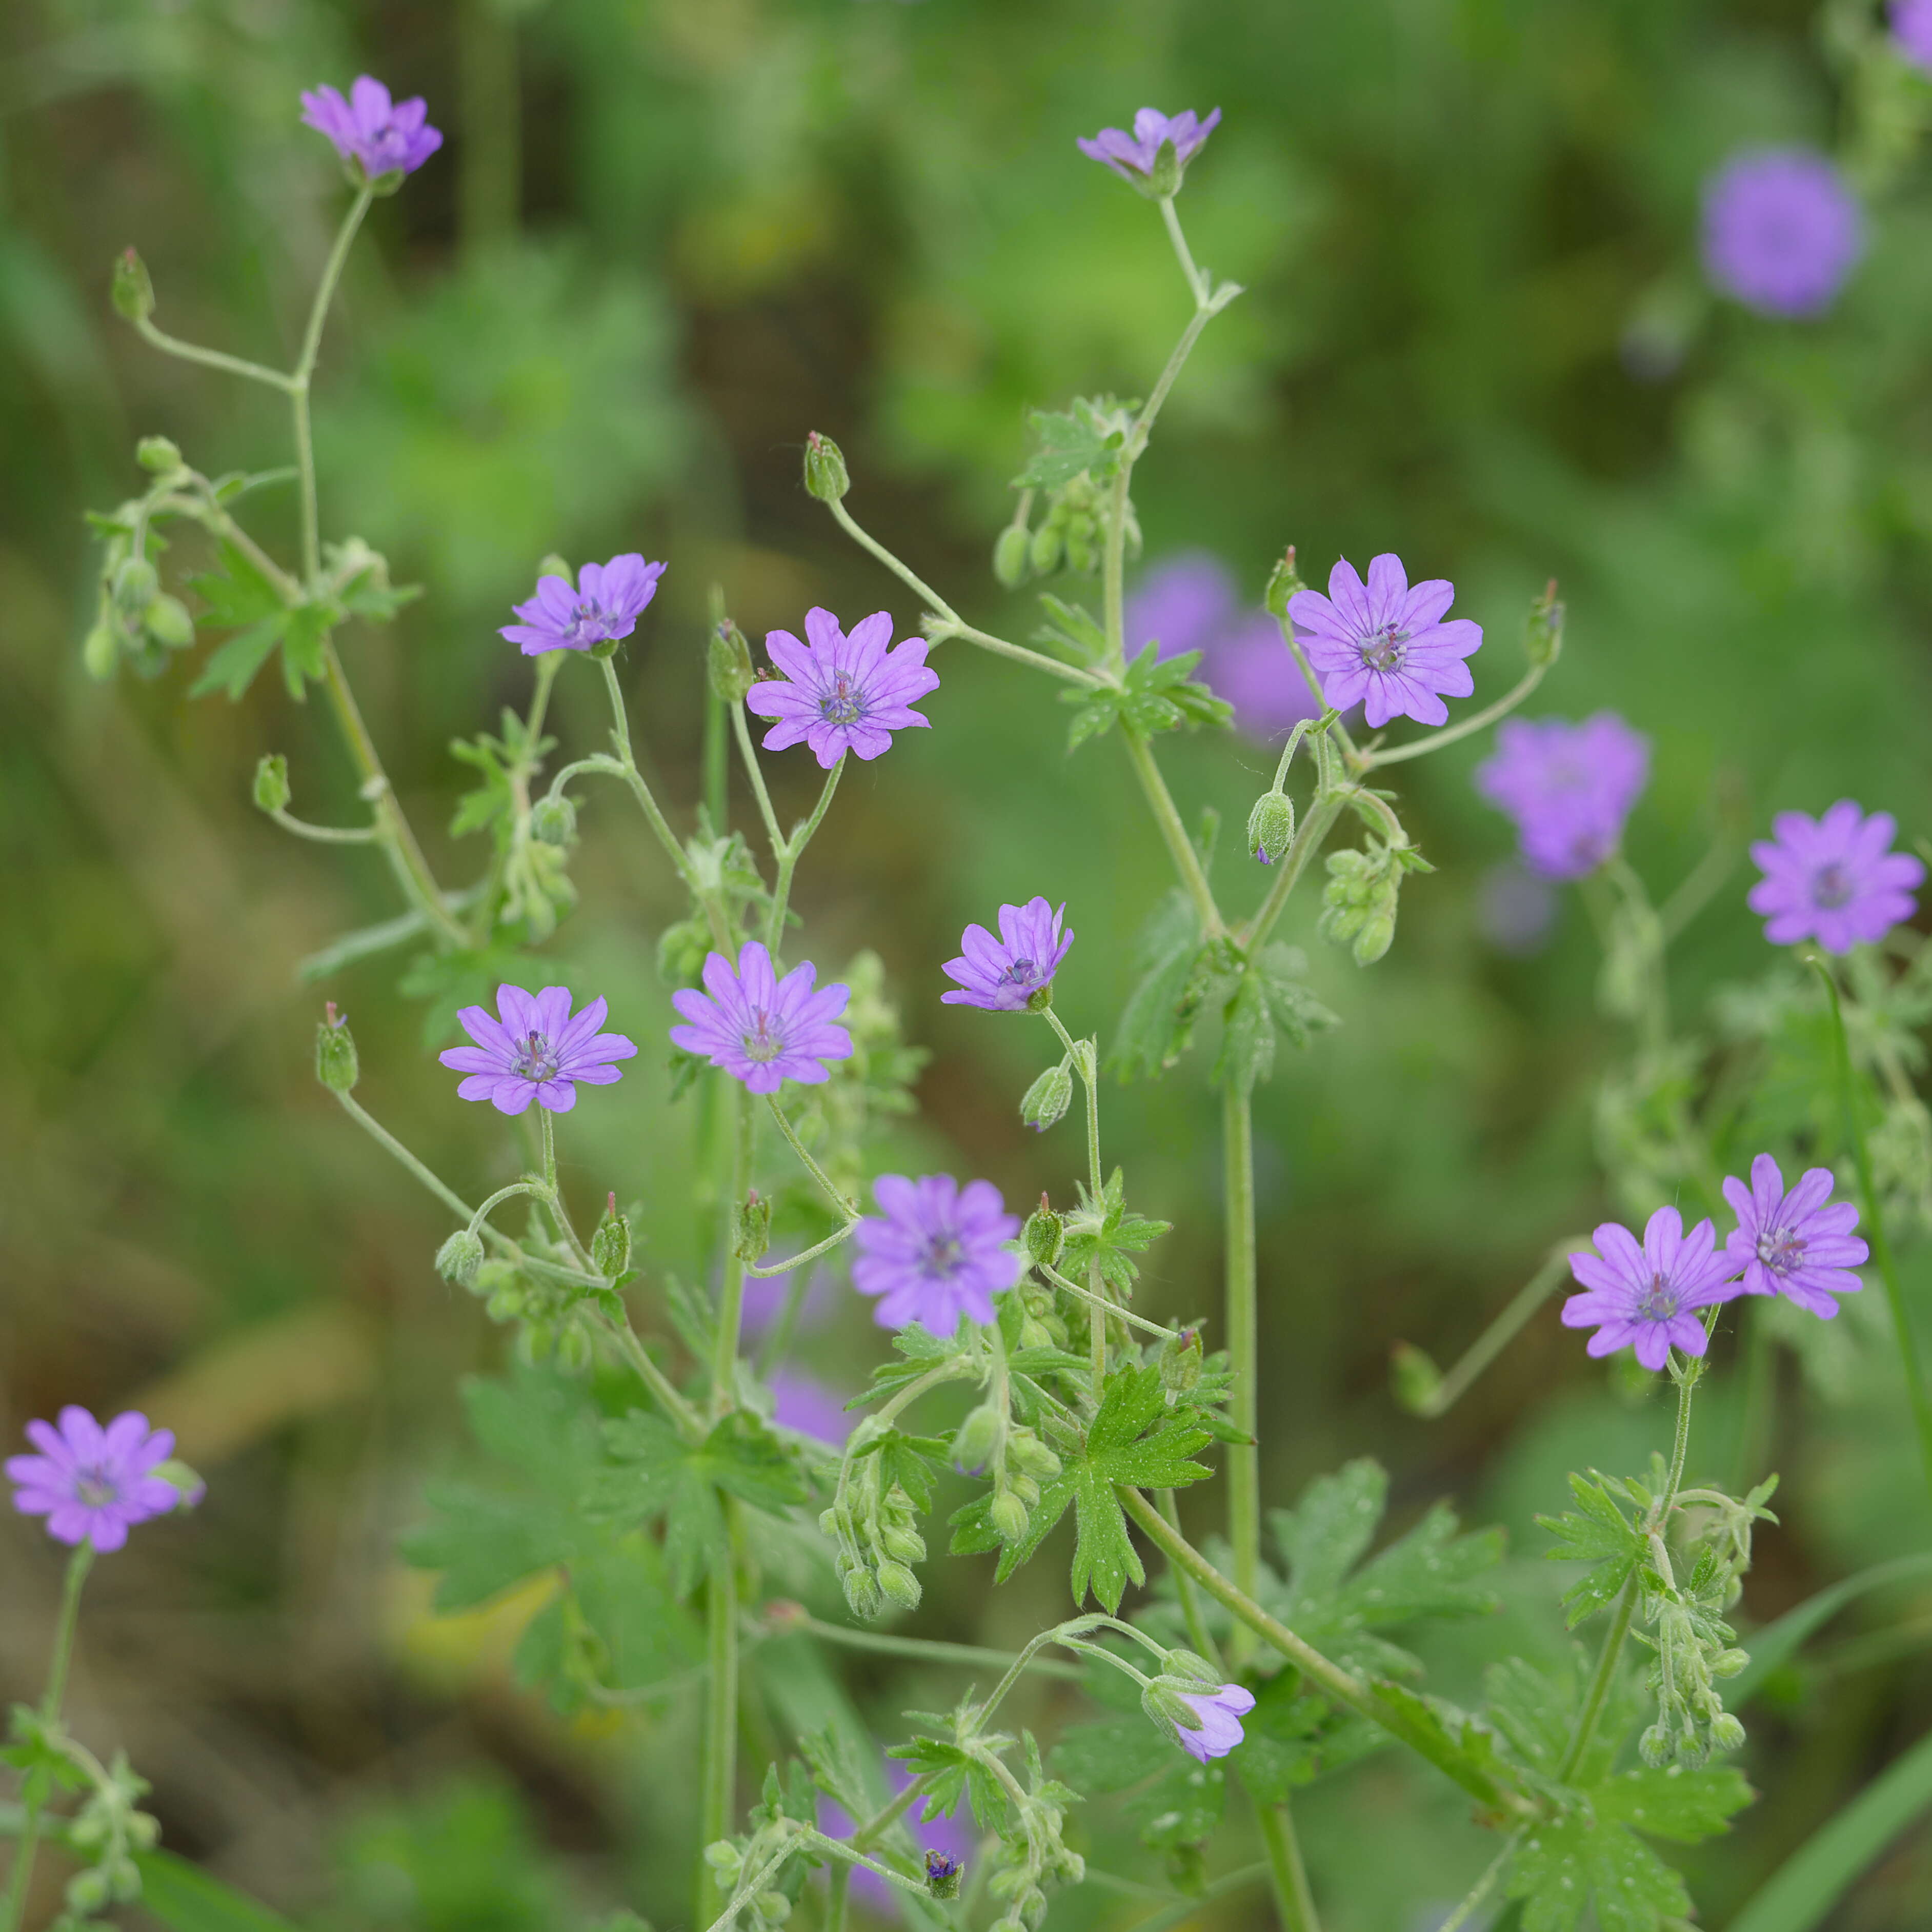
(1376, 935)
(1414, 1379)
(167, 620)
(771, 1908)
(1048, 547)
(551, 565)
(1271, 827)
(1048, 1099)
(1044, 1235)
(1283, 583)
(553, 819)
(1654, 1747)
(1543, 639)
(1727, 1733)
(1180, 1362)
(135, 584)
(750, 1228)
(611, 1245)
(725, 1859)
(1192, 1666)
(942, 1874)
(132, 293)
(101, 653)
(186, 1483)
(157, 454)
(862, 1594)
(977, 1441)
(825, 476)
(272, 783)
(728, 663)
(1026, 1452)
(1162, 1702)
(898, 1583)
(459, 1257)
(1008, 1515)
(335, 1062)
(1013, 555)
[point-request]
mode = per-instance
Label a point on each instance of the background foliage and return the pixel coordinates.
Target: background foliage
(666, 238)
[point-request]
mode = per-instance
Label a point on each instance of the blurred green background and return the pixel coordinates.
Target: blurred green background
(664, 240)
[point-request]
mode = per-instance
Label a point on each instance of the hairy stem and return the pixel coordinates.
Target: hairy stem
(841, 1205)
(718, 1809)
(1463, 728)
(1603, 1680)
(1293, 1899)
(967, 1656)
(1174, 833)
(789, 854)
(731, 1300)
(1501, 1332)
(1243, 1343)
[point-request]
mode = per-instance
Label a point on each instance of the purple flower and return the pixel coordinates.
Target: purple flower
(1191, 603)
(1132, 156)
(802, 1404)
(1793, 1244)
(535, 1051)
(1781, 230)
(1002, 975)
(606, 604)
(1219, 1712)
(842, 694)
(1515, 908)
(1386, 644)
(1833, 879)
(761, 1029)
(1644, 1295)
(937, 1253)
(1568, 786)
(952, 1839)
(94, 1484)
(381, 136)
(1912, 31)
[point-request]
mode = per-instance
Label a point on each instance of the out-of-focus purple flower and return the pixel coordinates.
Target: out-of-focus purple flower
(841, 693)
(1002, 975)
(1568, 786)
(381, 136)
(91, 1483)
(1220, 1713)
(1794, 1244)
(1515, 908)
(935, 1252)
(1386, 645)
(536, 1050)
(759, 1028)
(1191, 603)
(766, 1296)
(606, 604)
(1834, 879)
(1132, 156)
(949, 1836)
(1912, 31)
(1782, 230)
(1645, 1297)
(801, 1403)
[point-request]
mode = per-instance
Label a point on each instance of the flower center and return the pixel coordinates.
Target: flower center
(587, 616)
(943, 1255)
(759, 1043)
(1021, 973)
(94, 1489)
(1781, 1249)
(1830, 887)
(535, 1059)
(386, 148)
(841, 705)
(1384, 648)
(1658, 1302)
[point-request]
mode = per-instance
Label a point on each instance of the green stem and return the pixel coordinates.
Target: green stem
(924, 1649)
(1352, 758)
(1085, 1065)
(1308, 836)
(1243, 1344)
(1504, 1330)
(1875, 1231)
(1602, 1681)
(211, 358)
(654, 1379)
(731, 1302)
(748, 752)
(502, 1194)
(1483, 1887)
(1323, 1675)
(383, 1139)
(840, 1204)
(327, 835)
(810, 1254)
(789, 855)
(837, 1886)
(15, 1903)
(1293, 1899)
(1199, 1634)
(559, 1212)
(1196, 282)
(718, 1809)
(1098, 1300)
(1462, 728)
(1174, 833)
(305, 368)
(717, 764)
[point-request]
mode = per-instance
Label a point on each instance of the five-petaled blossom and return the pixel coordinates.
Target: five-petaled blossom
(1132, 157)
(1834, 879)
(842, 694)
(759, 1028)
(1794, 1244)
(1568, 786)
(382, 136)
(1385, 645)
(1002, 975)
(1781, 231)
(93, 1484)
(606, 604)
(1645, 1297)
(536, 1050)
(1219, 1713)
(935, 1252)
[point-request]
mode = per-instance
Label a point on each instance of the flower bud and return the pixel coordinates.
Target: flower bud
(157, 454)
(550, 565)
(1044, 1235)
(272, 791)
(825, 473)
(88, 1892)
(144, 1831)
(1162, 1701)
(611, 1245)
(1729, 1663)
(728, 662)
(459, 1257)
(1027, 1453)
(101, 653)
(1013, 555)
(1163, 180)
(902, 1545)
(186, 1483)
(1282, 584)
(553, 820)
(335, 1064)
(898, 1583)
(1023, 1486)
(132, 293)
(1046, 549)
(1376, 935)
(862, 1594)
(773, 1908)
(750, 1228)
(573, 1350)
(1008, 1515)
(1271, 827)
(135, 584)
(1414, 1379)
(977, 1441)
(1654, 1747)
(725, 1859)
(167, 622)
(1180, 1362)
(124, 1880)
(1727, 1733)
(1543, 639)
(1192, 1666)
(942, 1874)
(1047, 1098)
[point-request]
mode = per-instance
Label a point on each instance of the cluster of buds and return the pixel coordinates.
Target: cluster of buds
(1069, 535)
(1034, 1853)
(1358, 903)
(874, 1528)
(549, 1316)
(1016, 1459)
(134, 618)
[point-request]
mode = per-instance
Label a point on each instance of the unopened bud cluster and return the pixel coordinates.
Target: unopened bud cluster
(1358, 903)
(874, 1528)
(1032, 1855)
(1068, 536)
(134, 619)
(549, 1316)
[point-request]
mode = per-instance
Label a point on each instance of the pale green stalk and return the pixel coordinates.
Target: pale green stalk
(788, 858)
(1243, 1344)
(1483, 1887)
(1464, 727)
(810, 1254)
(1292, 1897)
(755, 772)
(840, 1204)
(1501, 1332)
(326, 835)
(924, 1650)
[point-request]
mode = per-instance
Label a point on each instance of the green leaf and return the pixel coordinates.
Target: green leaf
(1069, 444)
(1291, 1738)
(187, 1899)
(233, 668)
(1597, 1532)
(238, 593)
(308, 627)
(1183, 1807)
(1071, 631)
(960, 1774)
(1563, 1863)
(1105, 1234)
(1158, 1021)
(1156, 694)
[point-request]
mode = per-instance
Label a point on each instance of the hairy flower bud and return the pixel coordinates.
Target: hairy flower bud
(1654, 1747)
(1729, 1663)
(101, 653)
(157, 454)
(898, 1583)
(1013, 555)
(553, 819)
(942, 1874)
(550, 565)
(505, 1303)
(728, 662)
(335, 1062)
(1190, 1664)
(1270, 827)
(771, 1908)
(186, 1483)
(1048, 1099)
(1048, 546)
(167, 620)
(271, 791)
(134, 586)
(1162, 1702)
(902, 1545)
(1027, 1453)
(750, 1228)
(1284, 581)
(977, 1440)
(1008, 1515)
(825, 473)
(132, 293)
(725, 1859)
(1415, 1378)
(1377, 934)
(862, 1594)
(1543, 639)
(459, 1257)
(611, 1245)
(88, 1892)
(1727, 1733)
(1044, 1235)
